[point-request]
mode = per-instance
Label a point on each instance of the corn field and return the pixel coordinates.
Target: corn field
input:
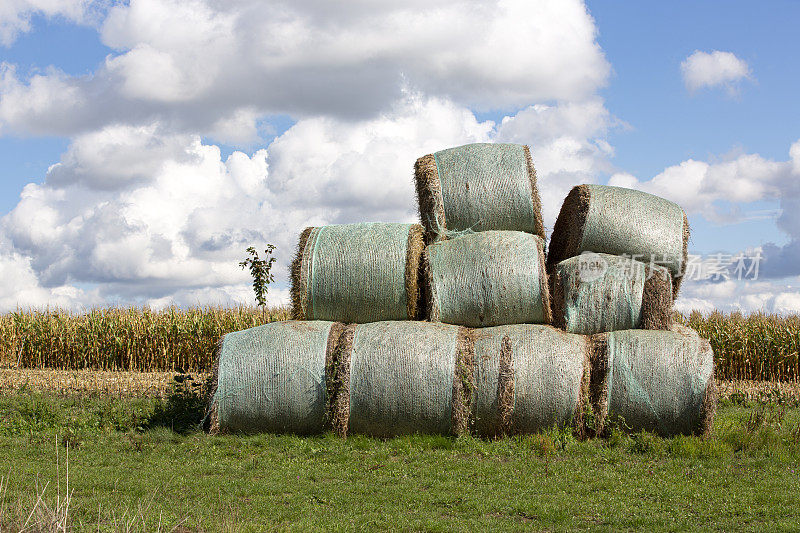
(123, 338)
(755, 347)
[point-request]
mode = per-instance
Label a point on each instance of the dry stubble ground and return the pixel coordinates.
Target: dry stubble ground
(157, 384)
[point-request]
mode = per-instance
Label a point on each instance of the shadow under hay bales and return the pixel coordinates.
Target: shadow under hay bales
(183, 408)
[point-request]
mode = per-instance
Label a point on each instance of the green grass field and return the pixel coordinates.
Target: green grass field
(139, 464)
(82, 450)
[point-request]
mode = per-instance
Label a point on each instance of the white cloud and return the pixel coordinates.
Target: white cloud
(714, 69)
(15, 15)
(46, 103)
(780, 296)
(155, 217)
(118, 156)
(192, 64)
(152, 217)
(567, 145)
(241, 128)
(705, 189)
(20, 288)
(699, 186)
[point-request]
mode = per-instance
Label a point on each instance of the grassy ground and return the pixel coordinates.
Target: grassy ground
(139, 464)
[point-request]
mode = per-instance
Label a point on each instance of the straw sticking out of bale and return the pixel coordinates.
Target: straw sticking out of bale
(211, 420)
(536, 201)
(505, 390)
(414, 250)
(565, 240)
(478, 187)
(595, 293)
(464, 383)
(429, 196)
(657, 298)
(676, 284)
(598, 383)
(487, 279)
(584, 414)
(620, 221)
(299, 288)
(710, 402)
(337, 370)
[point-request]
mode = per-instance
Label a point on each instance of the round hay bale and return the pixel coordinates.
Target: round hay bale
(489, 278)
(595, 293)
(357, 273)
(659, 381)
(529, 378)
(403, 377)
(619, 221)
(272, 378)
(478, 187)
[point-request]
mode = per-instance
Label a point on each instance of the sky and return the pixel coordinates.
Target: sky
(146, 144)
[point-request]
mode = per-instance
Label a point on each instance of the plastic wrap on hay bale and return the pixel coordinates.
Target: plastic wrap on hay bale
(478, 187)
(529, 378)
(357, 273)
(619, 221)
(403, 376)
(595, 293)
(489, 278)
(659, 381)
(272, 378)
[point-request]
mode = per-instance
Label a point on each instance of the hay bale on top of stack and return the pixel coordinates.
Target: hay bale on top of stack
(485, 261)
(357, 273)
(616, 259)
(593, 293)
(478, 187)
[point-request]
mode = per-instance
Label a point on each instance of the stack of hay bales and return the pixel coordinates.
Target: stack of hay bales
(637, 245)
(616, 260)
(445, 327)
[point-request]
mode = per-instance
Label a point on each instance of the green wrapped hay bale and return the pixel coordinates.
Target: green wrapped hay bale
(619, 221)
(357, 273)
(595, 293)
(478, 187)
(659, 381)
(273, 378)
(403, 378)
(484, 279)
(529, 378)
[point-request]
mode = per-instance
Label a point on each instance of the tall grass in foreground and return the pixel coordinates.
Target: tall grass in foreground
(124, 338)
(754, 347)
(757, 346)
